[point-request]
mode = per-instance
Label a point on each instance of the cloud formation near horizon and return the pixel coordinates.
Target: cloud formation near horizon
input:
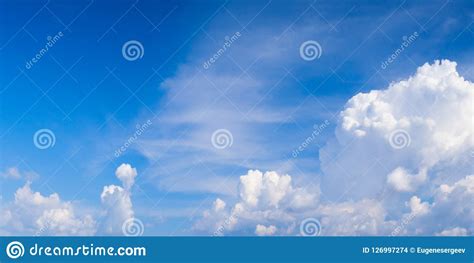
(399, 162)
(416, 131)
(32, 213)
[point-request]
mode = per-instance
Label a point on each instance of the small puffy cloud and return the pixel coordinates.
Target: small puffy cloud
(261, 230)
(269, 189)
(219, 205)
(264, 199)
(402, 181)
(126, 174)
(24, 196)
(15, 173)
(11, 172)
(456, 231)
(417, 207)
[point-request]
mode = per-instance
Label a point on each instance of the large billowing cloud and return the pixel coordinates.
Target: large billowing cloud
(400, 163)
(416, 132)
(117, 201)
(31, 213)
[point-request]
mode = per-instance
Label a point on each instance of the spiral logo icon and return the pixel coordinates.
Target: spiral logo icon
(222, 139)
(15, 250)
(310, 50)
(132, 50)
(310, 227)
(133, 227)
(44, 139)
(399, 139)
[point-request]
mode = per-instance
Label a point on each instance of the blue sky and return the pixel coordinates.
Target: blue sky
(260, 89)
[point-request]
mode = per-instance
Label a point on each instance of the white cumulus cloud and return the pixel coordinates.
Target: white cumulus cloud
(434, 110)
(15, 173)
(32, 213)
(264, 199)
(126, 173)
(117, 200)
(400, 163)
(262, 230)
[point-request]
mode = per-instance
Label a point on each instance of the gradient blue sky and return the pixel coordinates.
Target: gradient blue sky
(92, 98)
